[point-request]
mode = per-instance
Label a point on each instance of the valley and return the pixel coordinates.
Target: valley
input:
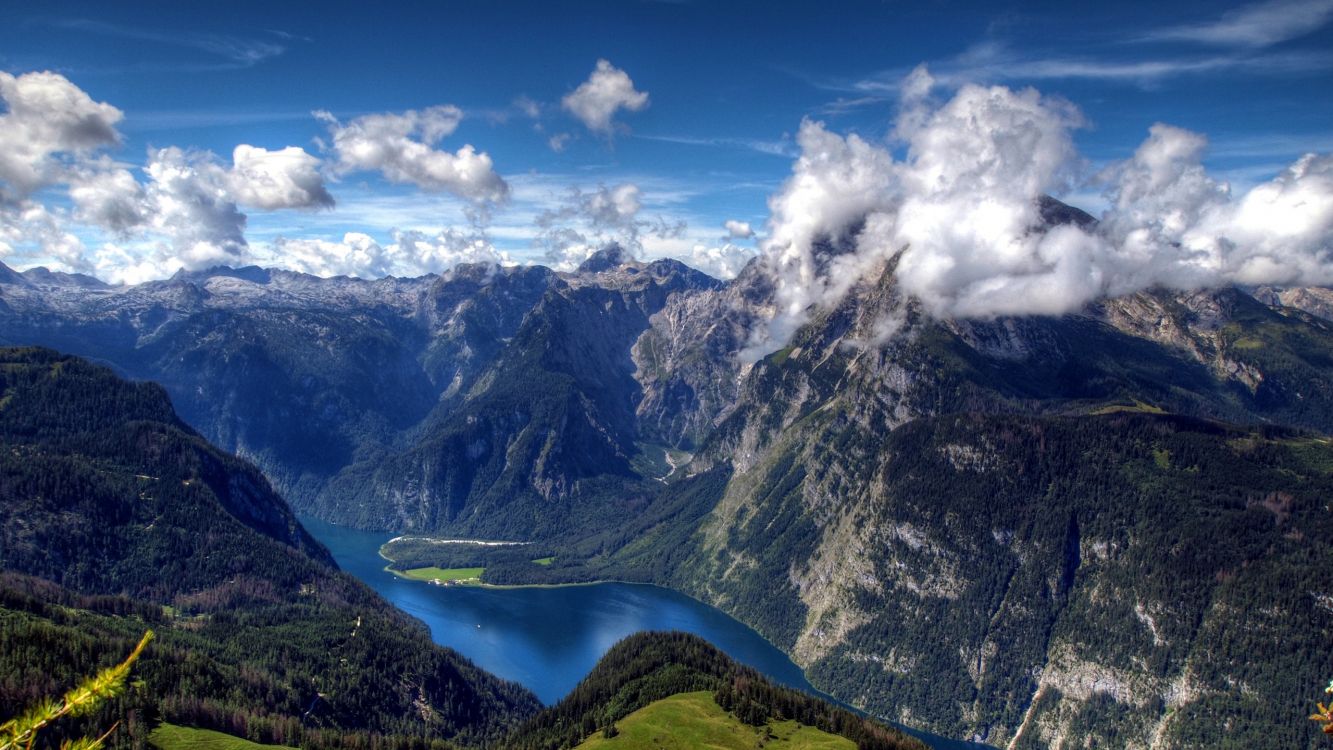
(933, 527)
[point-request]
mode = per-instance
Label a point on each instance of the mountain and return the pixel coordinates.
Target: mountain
(543, 440)
(116, 517)
(1095, 528)
(1034, 531)
(343, 390)
(1007, 530)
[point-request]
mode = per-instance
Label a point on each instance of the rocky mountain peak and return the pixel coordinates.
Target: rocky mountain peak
(10, 276)
(252, 274)
(1055, 213)
(610, 257)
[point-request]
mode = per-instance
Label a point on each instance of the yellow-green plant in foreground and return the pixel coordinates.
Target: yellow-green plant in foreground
(21, 732)
(1325, 713)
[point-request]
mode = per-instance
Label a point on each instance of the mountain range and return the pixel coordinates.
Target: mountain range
(1099, 529)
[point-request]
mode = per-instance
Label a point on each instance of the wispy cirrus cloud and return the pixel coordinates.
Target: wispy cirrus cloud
(783, 148)
(171, 120)
(241, 52)
(1254, 26)
(997, 62)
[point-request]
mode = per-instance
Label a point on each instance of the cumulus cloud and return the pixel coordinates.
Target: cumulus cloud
(401, 146)
(108, 196)
(119, 264)
(585, 222)
(356, 255)
(184, 213)
(722, 262)
(410, 254)
(607, 91)
(963, 213)
(269, 180)
(835, 182)
(445, 250)
(738, 230)
(27, 221)
(190, 203)
(47, 116)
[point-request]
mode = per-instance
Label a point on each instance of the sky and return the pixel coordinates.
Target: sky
(371, 139)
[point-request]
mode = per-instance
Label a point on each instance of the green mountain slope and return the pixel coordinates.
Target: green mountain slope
(1126, 577)
(115, 517)
(690, 720)
(649, 667)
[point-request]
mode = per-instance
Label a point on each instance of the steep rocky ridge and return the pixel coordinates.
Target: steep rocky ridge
(542, 441)
(337, 386)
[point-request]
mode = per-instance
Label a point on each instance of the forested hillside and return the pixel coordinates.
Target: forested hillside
(115, 518)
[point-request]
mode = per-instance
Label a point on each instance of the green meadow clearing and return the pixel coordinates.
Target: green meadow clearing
(456, 576)
(172, 737)
(694, 720)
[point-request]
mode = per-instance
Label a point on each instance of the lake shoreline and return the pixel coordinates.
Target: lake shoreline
(495, 625)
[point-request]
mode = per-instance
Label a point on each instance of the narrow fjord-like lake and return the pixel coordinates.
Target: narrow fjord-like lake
(549, 638)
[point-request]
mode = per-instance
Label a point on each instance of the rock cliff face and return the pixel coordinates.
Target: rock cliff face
(686, 361)
(987, 529)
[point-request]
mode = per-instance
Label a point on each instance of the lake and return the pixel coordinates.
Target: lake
(548, 639)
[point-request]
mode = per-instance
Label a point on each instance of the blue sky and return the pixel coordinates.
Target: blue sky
(727, 84)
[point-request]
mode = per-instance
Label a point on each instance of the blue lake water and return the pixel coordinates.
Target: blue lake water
(548, 639)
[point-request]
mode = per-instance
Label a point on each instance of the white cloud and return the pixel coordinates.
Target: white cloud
(401, 147)
(1155, 197)
(835, 182)
(722, 262)
(967, 201)
(585, 222)
(108, 196)
(994, 61)
(1257, 25)
(47, 116)
(1280, 232)
(528, 107)
(29, 222)
(738, 230)
(269, 180)
(445, 250)
(123, 265)
(356, 255)
(613, 207)
(781, 148)
(962, 212)
(184, 215)
(239, 51)
(558, 141)
(596, 101)
(190, 203)
(410, 254)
